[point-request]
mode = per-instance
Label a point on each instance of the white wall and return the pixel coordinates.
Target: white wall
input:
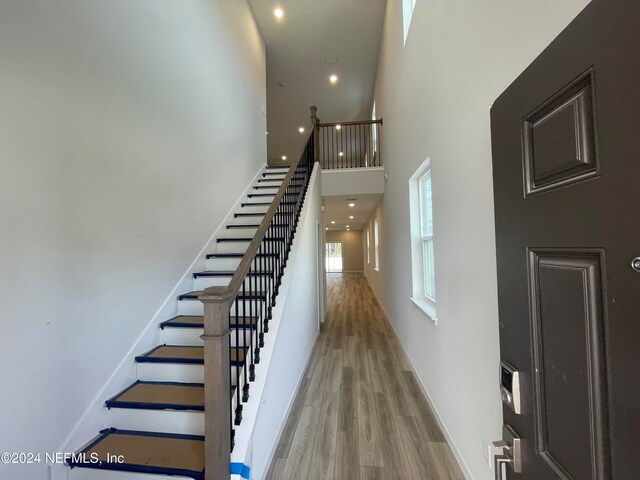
(127, 131)
(353, 181)
(434, 94)
(296, 334)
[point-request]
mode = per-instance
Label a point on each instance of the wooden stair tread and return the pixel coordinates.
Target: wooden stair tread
(228, 273)
(197, 321)
(198, 293)
(183, 354)
(158, 395)
(146, 452)
(238, 255)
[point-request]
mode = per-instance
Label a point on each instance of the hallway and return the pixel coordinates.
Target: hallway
(360, 413)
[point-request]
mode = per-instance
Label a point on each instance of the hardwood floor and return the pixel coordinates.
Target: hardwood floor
(360, 413)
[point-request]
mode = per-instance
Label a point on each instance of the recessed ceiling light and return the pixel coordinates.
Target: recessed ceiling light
(326, 228)
(278, 12)
(341, 154)
(301, 129)
(333, 222)
(351, 217)
(348, 230)
(338, 127)
(284, 157)
(352, 204)
(347, 227)
(333, 78)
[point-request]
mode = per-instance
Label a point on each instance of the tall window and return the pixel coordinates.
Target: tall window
(422, 241)
(374, 130)
(376, 244)
(426, 233)
(368, 248)
(407, 12)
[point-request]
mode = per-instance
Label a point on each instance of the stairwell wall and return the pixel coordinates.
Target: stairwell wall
(127, 132)
(435, 95)
(297, 318)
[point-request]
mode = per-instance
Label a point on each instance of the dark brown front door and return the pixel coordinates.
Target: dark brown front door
(566, 161)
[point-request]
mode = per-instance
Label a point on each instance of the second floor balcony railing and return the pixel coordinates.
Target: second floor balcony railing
(350, 144)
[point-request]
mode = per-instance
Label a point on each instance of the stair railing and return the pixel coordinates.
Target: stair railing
(246, 305)
(350, 144)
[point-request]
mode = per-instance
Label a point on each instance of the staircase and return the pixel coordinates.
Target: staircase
(158, 422)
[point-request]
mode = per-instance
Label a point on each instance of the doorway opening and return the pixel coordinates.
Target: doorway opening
(333, 257)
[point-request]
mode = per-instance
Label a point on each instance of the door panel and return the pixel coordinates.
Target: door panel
(570, 388)
(566, 161)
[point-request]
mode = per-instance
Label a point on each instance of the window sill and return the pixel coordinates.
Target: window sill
(427, 307)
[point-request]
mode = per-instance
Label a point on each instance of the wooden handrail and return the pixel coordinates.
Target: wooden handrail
(219, 294)
(358, 122)
(217, 302)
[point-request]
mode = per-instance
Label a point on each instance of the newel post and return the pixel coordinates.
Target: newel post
(217, 384)
(316, 133)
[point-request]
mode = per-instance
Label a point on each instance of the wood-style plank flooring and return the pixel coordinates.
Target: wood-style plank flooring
(359, 413)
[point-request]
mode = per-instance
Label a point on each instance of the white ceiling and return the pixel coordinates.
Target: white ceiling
(297, 46)
(336, 208)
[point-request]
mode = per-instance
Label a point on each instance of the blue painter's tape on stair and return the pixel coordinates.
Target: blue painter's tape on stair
(240, 469)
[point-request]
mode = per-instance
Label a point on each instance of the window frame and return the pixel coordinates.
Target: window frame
(376, 244)
(408, 7)
(426, 235)
(423, 232)
(368, 240)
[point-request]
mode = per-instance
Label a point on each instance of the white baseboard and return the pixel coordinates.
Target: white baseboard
(447, 435)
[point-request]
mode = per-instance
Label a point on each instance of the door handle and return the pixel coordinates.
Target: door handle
(511, 453)
(498, 462)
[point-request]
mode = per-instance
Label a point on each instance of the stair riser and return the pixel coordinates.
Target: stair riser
(194, 307)
(174, 421)
(232, 247)
(257, 219)
(258, 200)
(201, 283)
(191, 336)
(174, 372)
(223, 263)
(254, 208)
(265, 190)
(242, 232)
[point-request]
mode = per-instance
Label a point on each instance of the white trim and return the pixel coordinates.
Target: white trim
(418, 264)
(427, 307)
(340, 171)
(452, 444)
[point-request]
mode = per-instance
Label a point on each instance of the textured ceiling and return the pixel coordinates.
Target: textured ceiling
(298, 45)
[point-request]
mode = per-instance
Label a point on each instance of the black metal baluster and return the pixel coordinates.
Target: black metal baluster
(234, 350)
(245, 387)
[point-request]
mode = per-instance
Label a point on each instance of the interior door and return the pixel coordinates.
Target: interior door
(566, 161)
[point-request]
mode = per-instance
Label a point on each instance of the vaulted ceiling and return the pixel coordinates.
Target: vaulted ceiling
(301, 46)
